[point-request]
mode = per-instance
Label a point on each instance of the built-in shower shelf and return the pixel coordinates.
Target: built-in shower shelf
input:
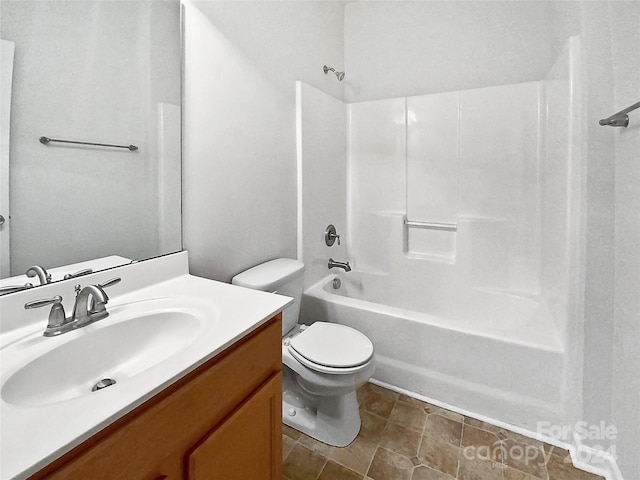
(450, 227)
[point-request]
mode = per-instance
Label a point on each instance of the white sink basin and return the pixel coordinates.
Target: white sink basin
(133, 339)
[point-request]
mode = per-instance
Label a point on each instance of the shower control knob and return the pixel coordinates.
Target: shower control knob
(330, 236)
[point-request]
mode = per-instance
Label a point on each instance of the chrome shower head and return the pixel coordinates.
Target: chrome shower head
(339, 75)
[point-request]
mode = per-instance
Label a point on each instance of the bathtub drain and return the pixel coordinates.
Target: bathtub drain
(336, 283)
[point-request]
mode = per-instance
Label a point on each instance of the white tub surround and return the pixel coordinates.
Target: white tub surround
(233, 312)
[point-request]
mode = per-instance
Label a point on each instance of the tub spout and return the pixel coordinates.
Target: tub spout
(343, 265)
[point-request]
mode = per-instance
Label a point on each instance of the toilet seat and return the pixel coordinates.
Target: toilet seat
(332, 348)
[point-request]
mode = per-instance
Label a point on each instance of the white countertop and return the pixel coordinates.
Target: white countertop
(33, 436)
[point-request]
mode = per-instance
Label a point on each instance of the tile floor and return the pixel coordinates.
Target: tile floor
(402, 438)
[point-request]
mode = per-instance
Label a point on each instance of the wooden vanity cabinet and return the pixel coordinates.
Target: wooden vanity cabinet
(221, 421)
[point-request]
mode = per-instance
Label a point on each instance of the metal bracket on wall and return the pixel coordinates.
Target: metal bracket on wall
(620, 119)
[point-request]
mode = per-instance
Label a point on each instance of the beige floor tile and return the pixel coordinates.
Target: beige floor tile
(372, 387)
(287, 445)
(411, 401)
(371, 427)
(401, 440)
(387, 465)
(425, 473)
(335, 471)
(357, 456)
(557, 451)
(315, 445)
(378, 403)
(522, 440)
(482, 444)
(362, 391)
(303, 464)
(482, 425)
(443, 429)
(479, 469)
(457, 417)
(441, 456)
(409, 415)
(290, 432)
(529, 459)
(561, 470)
(509, 473)
(389, 444)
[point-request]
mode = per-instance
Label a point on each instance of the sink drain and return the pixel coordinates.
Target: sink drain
(104, 383)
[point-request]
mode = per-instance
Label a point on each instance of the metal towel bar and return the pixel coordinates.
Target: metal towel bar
(450, 227)
(46, 140)
(620, 119)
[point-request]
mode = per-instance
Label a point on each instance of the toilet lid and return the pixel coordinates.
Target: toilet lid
(333, 345)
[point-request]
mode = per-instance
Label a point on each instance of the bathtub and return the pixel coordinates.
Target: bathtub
(484, 351)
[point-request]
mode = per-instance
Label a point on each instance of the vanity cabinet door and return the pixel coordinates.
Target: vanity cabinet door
(247, 445)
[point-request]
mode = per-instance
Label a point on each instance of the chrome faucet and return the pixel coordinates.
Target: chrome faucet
(40, 272)
(89, 307)
(343, 265)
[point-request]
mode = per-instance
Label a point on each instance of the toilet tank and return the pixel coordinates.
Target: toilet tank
(282, 276)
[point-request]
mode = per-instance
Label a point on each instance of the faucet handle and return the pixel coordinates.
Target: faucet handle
(109, 283)
(79, 273)
(57, 317)
(43, 303)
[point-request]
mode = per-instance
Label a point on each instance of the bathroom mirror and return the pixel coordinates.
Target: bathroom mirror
(106, 72)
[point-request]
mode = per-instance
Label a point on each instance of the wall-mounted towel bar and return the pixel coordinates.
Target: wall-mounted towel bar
(46, 140)
(450, 227)
(620, 119)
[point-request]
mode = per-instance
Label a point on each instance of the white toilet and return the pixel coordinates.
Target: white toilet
(323, 364)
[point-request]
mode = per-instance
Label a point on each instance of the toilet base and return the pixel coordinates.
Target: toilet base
(334, 420)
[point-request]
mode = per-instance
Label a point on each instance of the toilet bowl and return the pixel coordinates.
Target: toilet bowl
(323, 363)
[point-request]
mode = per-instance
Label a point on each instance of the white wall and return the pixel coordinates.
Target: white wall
(611, 69)
(6, 80)
(241, 63)
(322, 179)
(83, 72)
(626, 345)
(397, 49)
